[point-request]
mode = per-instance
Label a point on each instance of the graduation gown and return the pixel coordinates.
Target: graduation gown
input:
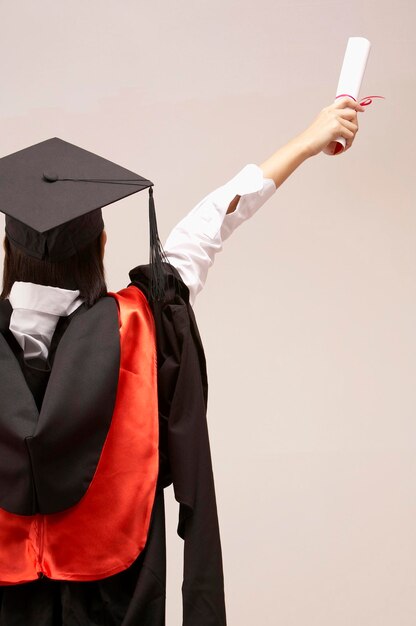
(137, 594)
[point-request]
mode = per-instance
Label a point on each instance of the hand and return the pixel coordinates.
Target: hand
(336, 120)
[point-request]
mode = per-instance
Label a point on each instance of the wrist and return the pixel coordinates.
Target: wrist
(302, 146)
(286, 159)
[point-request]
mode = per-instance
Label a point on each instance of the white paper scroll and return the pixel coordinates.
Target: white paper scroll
(352, 71)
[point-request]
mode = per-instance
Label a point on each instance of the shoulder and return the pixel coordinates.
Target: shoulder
(174, 286)
(175, 320)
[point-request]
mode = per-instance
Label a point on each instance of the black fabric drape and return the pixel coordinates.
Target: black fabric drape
(183, 391)
(137, 595)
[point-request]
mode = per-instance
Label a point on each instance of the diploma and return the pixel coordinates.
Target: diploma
(352, 72)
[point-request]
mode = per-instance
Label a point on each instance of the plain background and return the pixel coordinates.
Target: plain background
(308, 315)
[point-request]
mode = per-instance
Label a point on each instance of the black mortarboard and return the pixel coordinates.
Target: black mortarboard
(52, 194)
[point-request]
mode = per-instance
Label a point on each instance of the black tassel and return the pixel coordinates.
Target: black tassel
(157, 255)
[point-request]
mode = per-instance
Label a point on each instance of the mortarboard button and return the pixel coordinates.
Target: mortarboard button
(51, 177)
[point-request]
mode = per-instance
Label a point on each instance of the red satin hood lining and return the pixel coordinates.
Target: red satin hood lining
(107, 529)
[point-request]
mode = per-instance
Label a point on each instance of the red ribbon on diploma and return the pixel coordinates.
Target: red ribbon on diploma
(364, 102)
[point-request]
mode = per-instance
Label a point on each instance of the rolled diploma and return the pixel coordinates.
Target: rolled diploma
(352, 71)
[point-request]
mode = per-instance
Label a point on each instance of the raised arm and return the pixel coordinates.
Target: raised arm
(340, 118)
(193, 243)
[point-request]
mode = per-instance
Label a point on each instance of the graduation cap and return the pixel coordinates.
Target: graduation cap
(52, 194)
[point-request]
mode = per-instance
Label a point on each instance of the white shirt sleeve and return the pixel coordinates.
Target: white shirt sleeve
(193, 243)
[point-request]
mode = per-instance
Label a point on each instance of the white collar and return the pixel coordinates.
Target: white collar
(44, 298)
(36, 311)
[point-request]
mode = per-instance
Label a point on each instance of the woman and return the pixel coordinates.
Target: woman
(82, 473)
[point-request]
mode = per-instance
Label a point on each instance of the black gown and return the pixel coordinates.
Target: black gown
(137, 595)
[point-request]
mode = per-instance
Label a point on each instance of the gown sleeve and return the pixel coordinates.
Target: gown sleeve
(185, 457)
(193, 243)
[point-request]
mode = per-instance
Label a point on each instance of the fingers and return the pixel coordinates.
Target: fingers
(349, 120)
(352, 126)
(348, 133)
(347, 113)
(346, 101)
(345, 123)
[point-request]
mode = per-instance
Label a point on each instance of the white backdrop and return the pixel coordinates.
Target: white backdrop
(308, 315)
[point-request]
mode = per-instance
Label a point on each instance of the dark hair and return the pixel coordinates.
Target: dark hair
(83, 270)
